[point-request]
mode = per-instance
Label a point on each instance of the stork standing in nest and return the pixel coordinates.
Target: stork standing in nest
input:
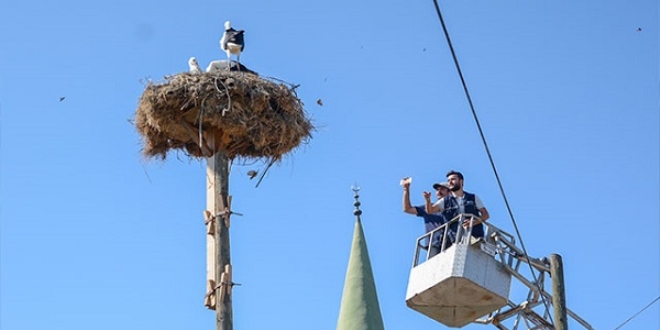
(232, 42)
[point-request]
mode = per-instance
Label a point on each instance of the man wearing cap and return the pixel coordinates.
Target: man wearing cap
(459, 202)
(431, 221)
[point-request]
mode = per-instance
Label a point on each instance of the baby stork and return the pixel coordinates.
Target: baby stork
(232, 42)
(194, 66)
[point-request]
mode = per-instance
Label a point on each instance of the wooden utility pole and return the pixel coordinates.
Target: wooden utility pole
(218, 252)
(558, 293)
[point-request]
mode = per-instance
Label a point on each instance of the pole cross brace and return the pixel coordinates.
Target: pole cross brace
(225, 215)
(226, 283)
(209, 219)
(209, 297)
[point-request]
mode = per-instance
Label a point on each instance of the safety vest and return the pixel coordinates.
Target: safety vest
(451, 209)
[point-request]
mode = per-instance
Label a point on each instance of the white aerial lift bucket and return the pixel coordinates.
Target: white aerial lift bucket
(461, 283)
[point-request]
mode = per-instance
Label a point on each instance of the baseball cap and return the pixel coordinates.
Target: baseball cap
(441, 184)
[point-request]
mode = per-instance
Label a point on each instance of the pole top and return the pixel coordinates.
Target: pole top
(357, 212)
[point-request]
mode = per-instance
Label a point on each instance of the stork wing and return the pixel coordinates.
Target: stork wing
(236, 37)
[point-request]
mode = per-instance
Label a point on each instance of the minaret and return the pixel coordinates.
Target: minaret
(359, 303)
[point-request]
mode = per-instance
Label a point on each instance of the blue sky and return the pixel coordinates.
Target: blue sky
(92, 236)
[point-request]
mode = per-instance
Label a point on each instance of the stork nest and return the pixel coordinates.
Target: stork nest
(239, 114)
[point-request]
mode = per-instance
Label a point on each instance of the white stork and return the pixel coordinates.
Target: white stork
(232, 42)
(194, 66)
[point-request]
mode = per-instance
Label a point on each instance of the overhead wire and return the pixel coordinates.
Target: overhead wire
(636, 314)
(490, 157)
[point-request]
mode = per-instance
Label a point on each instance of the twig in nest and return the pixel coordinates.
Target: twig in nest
(200, 119)
(191, 131)
(199, 129)
(184, 107)
(293, 87)
(272, 161)
(227, 91)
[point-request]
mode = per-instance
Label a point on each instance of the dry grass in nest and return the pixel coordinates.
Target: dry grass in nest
(237, 113)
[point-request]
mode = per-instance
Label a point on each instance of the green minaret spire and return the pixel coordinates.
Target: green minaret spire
(359, 303)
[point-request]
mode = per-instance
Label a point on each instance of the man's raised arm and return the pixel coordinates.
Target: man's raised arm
(430, 208)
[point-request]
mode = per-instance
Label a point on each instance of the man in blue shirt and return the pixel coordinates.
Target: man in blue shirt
(431, 221)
